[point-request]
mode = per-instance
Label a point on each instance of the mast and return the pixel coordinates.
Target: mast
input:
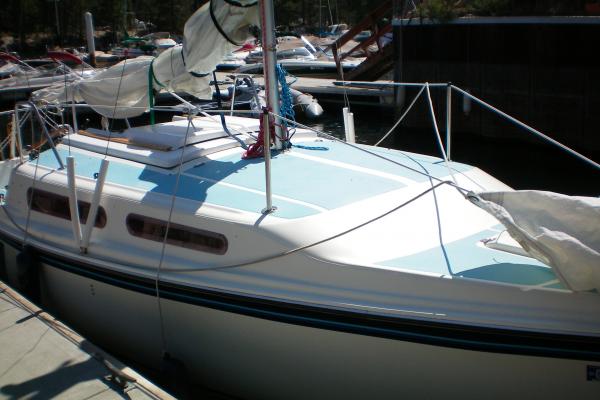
(269, 45)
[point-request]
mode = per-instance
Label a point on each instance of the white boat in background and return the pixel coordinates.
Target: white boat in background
(122, 52)
(8, 69)
(316, 269)
(303, 67)
(160, 40)
(27, 79)
(299, 58)
(236, 58)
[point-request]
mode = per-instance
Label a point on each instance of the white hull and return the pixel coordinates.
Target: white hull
(253, 357)
(330, 270)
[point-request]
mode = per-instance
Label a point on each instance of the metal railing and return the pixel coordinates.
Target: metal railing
(28, 111)
(450, 88)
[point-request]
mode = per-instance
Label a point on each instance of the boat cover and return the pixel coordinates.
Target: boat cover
(122, 91)
(559, 230)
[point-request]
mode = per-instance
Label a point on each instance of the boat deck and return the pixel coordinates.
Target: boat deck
(333, 171)
(42, 358)
(338, 178)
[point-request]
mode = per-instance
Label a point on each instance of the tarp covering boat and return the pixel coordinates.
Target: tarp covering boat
(122, 91)
(559, 230)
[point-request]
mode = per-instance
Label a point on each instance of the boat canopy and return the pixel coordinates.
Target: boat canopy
(123, 91)
(559, 230)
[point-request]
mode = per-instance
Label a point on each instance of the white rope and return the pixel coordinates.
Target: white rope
(401, 118)
(437, 133)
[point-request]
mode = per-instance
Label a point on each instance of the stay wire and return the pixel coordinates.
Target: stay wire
(32, 192)
(115, 109)
(168, 227)
(437, 132)
(389, 132)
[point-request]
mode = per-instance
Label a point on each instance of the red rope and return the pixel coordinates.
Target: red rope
(257, 149)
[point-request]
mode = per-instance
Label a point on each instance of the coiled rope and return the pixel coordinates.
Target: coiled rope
(287, 105)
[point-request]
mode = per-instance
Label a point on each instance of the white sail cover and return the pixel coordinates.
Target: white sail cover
(122, 90)
(560, 231)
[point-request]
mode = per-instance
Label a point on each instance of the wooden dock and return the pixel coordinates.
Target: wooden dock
(40, 357)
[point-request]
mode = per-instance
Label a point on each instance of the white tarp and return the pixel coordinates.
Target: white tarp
(559, 230)
(122, 90)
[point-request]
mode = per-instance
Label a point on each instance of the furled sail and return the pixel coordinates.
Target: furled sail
(559, 230)
(123, 90)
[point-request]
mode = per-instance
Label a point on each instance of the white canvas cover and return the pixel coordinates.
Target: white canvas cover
(122, 90)
(559, 230)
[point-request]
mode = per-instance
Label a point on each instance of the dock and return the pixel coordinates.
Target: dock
(329, 90)
(40, 357)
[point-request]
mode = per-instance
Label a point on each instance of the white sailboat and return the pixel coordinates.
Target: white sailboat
(25, 79)
(325, 270)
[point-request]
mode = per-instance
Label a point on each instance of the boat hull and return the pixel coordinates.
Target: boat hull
(231, 349)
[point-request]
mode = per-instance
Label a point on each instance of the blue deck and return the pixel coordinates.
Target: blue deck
(236, 183)
(469, 259)
(331, 175)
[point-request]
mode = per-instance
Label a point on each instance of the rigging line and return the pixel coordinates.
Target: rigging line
(32, 130)
(30, 200)
(74, 117)
(439, 226)
(115, 109)
(333, 138)
(437, 132)
(66, 97)
(327, 239)
(238, 131)
(48, 120)
(401, 118)
(346, 97)
(330, 14)
(222, 115)
(435, 200)
(168, 227)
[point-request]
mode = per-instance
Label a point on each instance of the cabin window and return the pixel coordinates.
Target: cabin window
(179, 235)
(58, 206)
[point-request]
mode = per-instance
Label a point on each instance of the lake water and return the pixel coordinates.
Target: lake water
(522, 164)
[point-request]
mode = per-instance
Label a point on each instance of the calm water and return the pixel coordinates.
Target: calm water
(522, 164)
